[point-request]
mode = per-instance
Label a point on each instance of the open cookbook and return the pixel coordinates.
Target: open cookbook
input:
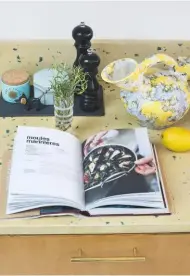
(114, 172)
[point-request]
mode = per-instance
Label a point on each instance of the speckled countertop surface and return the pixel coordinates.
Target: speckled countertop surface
(176, 166)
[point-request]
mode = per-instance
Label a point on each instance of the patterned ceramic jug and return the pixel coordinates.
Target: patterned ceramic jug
(158, 100)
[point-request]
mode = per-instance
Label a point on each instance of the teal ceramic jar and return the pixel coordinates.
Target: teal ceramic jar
(15, 86)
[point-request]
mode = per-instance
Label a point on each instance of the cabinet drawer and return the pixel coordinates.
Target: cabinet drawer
(95, 254)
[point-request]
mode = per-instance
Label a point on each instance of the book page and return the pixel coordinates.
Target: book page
(47, 162)
(111, 167)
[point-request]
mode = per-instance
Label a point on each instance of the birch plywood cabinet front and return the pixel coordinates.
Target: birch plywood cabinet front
(95, 254)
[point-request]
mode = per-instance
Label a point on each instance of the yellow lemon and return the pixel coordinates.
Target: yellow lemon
(176, 139)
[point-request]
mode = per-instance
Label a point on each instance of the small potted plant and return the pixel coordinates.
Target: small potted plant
(66, 82)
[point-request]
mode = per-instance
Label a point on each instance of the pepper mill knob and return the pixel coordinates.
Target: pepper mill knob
(89, 99)
(82, 35)
(90, 62)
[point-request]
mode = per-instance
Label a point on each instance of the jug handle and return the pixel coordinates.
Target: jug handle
(157, 59)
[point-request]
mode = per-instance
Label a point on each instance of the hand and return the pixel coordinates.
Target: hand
(145, 166)
(99, 139)
(94, 141)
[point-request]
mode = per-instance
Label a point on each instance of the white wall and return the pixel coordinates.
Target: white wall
(109, 19)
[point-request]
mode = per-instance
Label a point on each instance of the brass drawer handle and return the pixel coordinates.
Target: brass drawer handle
(109, 259)
(133, 258)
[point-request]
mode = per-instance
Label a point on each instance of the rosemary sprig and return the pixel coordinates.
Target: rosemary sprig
(67, 81)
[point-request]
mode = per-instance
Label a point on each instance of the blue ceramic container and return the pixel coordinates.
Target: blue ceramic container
(15, 85)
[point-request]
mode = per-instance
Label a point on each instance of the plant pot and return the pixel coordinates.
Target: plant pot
(63, 112)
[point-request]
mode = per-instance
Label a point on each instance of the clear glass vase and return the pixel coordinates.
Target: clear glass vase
(63, 112)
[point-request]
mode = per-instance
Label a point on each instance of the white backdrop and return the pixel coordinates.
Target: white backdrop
(109, 19)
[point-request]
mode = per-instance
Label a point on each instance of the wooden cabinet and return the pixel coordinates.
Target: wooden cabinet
(95, 254)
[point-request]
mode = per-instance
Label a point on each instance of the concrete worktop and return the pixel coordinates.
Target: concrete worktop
(175, 166)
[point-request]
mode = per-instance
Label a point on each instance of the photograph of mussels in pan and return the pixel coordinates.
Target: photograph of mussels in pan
(107, 163)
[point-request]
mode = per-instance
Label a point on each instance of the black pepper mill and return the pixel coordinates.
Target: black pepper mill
(90, 100)
(82, 35)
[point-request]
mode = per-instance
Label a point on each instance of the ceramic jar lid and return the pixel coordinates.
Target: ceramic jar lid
(43, 78)
(15, 77)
